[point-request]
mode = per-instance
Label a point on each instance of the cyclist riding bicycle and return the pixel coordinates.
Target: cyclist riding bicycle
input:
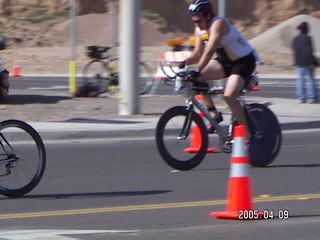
(235, 58)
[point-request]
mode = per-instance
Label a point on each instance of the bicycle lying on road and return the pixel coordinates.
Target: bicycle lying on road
(175, 126)
(101, 74)
(22, 158)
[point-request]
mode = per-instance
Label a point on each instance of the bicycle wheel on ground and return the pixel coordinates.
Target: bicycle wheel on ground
(265, 129)
(146, 79)
(96, 76)
(22, 158)
(175, 134)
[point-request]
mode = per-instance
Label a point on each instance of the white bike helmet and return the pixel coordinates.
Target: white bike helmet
(200, 7)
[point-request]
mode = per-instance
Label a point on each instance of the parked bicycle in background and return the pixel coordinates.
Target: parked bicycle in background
(101, 74)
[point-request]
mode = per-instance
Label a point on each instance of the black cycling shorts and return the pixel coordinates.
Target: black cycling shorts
(244, 66)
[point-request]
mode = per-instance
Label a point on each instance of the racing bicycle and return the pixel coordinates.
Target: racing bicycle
(22, 158)
(101, 74)
(176, 125)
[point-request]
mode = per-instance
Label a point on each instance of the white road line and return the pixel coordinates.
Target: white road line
(53, 234)
(49, 88)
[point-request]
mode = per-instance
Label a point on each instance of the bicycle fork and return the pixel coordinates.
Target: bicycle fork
(186, 125)
(9, 152)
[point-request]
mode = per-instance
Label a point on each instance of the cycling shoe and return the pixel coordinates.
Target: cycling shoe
(218, 119)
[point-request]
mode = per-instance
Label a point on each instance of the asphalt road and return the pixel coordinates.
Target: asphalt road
(277, 88)
(40, 83)
(121, 189)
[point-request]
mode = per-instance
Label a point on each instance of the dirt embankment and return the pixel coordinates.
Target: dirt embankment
(252, 17)
(42, 46)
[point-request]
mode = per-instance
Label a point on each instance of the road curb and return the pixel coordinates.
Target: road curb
(149, 132)
(103, 134)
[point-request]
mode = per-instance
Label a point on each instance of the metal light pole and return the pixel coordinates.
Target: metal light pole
(221, 13)
(129, 56)
(222, 8)
(113, 23)
(73, 47)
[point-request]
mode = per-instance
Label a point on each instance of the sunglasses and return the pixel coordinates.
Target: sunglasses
(197, 20)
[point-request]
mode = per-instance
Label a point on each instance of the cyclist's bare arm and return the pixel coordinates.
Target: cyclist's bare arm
(198, 50)
(217, 30)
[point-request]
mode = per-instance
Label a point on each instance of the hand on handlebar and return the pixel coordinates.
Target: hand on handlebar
(193, 75)
(183, 64)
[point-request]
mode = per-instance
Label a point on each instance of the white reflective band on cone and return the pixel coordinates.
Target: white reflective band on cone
(239, 149)
(239, 170)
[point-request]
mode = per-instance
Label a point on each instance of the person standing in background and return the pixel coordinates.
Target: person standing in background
(305, 65)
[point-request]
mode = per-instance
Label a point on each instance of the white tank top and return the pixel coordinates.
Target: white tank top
(234, 44)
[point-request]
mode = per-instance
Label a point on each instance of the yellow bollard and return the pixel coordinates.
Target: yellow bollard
(72, 76)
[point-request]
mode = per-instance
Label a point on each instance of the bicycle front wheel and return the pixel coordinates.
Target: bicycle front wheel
(265, 129)
(181, 138)
(22, 158)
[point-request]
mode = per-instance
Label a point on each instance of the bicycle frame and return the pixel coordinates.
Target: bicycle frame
(192, 102)
(220, 131)
(225, 136)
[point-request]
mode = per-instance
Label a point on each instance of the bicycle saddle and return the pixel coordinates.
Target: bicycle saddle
(96, 51)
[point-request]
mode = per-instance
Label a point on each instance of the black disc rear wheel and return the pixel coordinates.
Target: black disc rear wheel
(266, 133)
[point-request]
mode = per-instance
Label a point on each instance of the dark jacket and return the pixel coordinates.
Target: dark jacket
(303, 50)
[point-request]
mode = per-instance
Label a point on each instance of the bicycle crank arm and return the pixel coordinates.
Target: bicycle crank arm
(219, 130)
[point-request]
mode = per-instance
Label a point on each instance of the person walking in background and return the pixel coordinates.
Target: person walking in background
(305, 65)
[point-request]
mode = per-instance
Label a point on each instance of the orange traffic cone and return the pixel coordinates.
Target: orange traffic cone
(256, 88)
(16, 70)
(195, 141)
(239, 189)
(255, 82)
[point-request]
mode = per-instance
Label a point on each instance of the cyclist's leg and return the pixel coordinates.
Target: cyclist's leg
(240, 73)
(213, 71)
(233, 87)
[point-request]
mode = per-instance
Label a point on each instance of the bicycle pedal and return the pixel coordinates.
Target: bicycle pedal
(211, 129)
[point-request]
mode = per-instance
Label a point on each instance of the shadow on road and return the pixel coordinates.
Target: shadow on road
(87, 120)
(300, 125)
(93, 195)
(31, 99)
(294, 165)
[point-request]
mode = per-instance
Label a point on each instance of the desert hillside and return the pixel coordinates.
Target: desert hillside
(31, 21)
(36, 30)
